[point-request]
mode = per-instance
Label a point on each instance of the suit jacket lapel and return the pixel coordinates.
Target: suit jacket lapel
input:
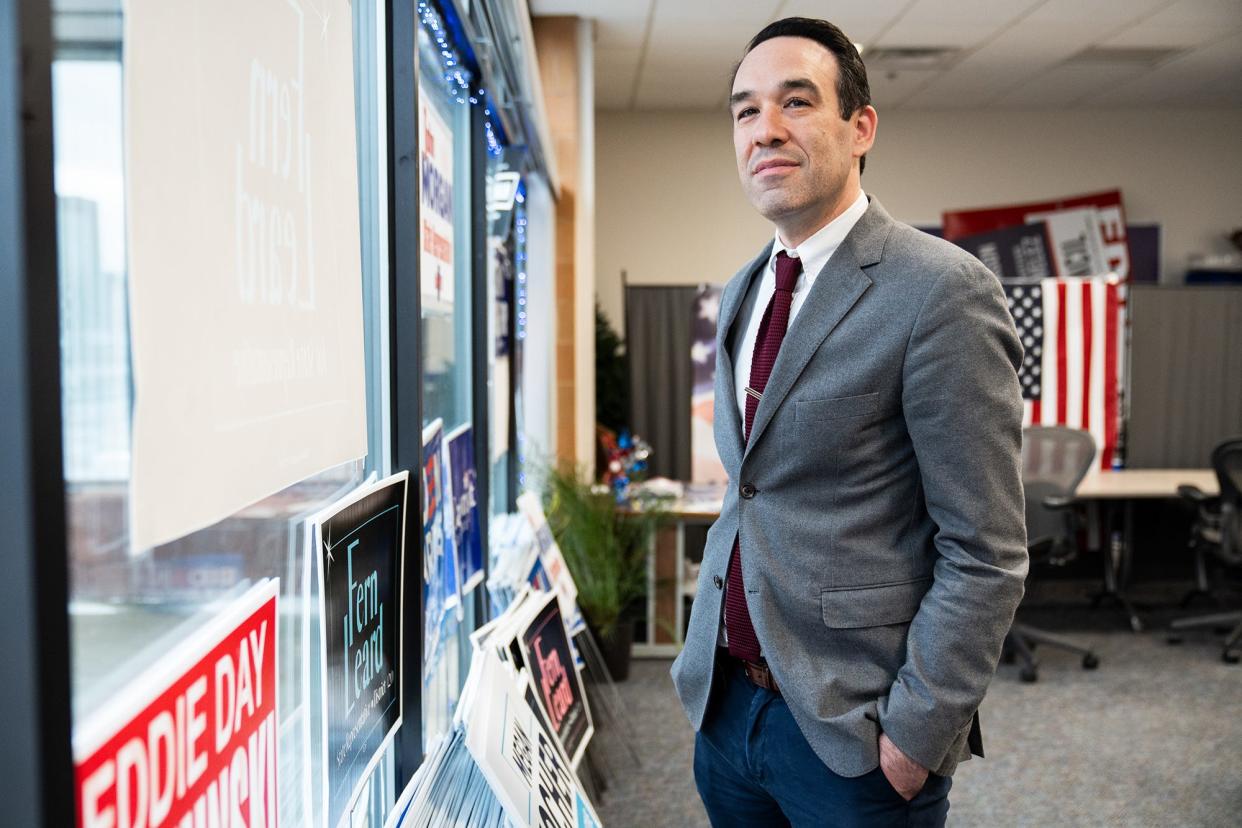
(837, 287)
(729, 431)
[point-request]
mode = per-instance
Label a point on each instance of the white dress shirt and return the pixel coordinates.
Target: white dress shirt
(814, 253)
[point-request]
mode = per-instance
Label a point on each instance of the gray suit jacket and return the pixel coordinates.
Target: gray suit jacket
(879, 500)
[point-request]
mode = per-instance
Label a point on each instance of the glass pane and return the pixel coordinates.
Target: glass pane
(129, 608)
(448, 365)
(446, 307)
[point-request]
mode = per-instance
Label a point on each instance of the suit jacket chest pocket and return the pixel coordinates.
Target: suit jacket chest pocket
(835, 420)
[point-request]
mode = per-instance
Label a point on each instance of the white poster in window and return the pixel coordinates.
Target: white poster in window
(245, 274)
(435, 152)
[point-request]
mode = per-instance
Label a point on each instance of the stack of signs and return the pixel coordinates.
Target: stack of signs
(1063, 265)
(360, 542)
(193, 740)
(513, 554)
(555, 573)
(523, 762)
(448, 789)
(522, 715)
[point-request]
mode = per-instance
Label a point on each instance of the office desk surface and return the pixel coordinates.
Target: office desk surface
(1144, 483)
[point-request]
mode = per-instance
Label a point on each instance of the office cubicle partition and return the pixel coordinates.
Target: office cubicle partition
(1186, 374)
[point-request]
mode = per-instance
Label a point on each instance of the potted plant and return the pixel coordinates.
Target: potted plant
(605, 548)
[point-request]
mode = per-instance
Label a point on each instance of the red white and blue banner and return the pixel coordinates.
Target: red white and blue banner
(1072, 370)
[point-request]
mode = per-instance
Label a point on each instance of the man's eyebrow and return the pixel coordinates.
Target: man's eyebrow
(800, 83)
(793, 83)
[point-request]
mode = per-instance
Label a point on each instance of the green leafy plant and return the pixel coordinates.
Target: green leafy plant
(612, 375)
(604, 545)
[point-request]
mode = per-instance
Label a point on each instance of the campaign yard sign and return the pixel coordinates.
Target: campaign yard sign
(192, 741)
(558, 689)
(1107, 240)
(361, 542)
(467, 537)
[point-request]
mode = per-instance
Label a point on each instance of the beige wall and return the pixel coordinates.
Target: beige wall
(670, 211)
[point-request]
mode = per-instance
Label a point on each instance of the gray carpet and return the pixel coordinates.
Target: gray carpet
(1151, 738)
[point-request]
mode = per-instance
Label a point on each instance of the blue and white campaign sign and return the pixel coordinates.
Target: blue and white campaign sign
(467, 534)
(360, 543)
(441, 586)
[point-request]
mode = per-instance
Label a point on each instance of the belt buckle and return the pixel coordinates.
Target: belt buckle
(760, 675)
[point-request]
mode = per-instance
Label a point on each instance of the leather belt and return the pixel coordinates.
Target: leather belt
(757, 674)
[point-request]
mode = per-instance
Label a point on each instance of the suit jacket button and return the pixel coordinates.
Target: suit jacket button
(748, 491)
(718, 581)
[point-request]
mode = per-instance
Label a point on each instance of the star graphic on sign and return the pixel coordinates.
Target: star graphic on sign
(701, 352)
(709, 306)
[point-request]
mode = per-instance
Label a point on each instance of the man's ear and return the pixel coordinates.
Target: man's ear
(865, 121)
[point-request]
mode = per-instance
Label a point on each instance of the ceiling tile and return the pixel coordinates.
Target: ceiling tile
(1043, 39)
(1184, 23)
(617, 25)
(1067, 84)
(860, 21)
(1014, 50)
(691, 92)
(721, 45)
(613, 57)
(627, 33)
(890, 89)
(706, 14)
(961, 23)
(598, 9)
(1199, 73)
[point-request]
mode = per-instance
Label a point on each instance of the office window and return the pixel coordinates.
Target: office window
(446, 214)
(130, 607)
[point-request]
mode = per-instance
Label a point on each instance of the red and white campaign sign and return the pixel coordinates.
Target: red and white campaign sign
(191, 743)
(1110, 214)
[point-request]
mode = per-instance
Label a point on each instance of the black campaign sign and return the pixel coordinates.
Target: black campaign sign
(361, 553)
(555, 679)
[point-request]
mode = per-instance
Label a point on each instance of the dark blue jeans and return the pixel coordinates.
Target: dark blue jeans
(754, 768)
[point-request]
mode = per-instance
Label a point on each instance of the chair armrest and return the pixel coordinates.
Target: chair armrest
(1195, 495)
(1058, 502)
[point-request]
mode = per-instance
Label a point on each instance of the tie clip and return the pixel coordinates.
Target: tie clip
(750, 392)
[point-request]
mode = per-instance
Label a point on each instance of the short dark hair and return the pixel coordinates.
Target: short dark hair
(853, 91)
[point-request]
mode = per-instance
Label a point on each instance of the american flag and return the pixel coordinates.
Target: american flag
(1071, 372)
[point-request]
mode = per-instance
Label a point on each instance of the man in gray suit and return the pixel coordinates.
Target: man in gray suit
(871, 549)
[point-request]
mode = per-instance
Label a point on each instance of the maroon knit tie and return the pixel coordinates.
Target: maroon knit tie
(742, 641)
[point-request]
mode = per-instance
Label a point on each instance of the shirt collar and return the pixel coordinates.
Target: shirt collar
(818, 249)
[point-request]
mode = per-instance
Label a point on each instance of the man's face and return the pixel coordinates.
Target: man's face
(795, 153)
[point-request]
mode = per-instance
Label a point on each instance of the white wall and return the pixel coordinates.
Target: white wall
(539, 357)
(670, 210)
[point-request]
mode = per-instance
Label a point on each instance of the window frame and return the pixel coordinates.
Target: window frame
(34, 704)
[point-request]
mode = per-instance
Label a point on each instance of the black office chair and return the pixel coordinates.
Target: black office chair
(1217, 529)
(1054, 462)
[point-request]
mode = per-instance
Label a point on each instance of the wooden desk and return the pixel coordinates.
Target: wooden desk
(1104, 490)
(1144, 484)
(667, 587)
